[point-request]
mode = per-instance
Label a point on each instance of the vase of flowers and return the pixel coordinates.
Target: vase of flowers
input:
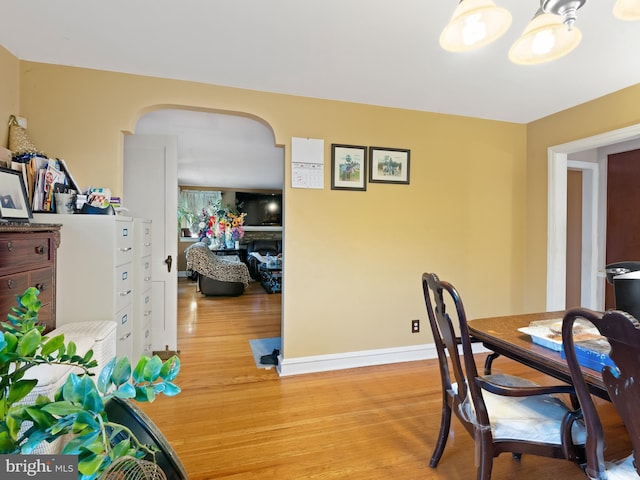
(222, 225)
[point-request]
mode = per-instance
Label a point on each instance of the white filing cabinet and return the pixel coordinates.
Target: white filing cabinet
(95, 276)
(142, 301)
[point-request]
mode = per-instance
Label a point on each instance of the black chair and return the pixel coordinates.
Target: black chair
(502, 413)
(620, 376)
(263, 247)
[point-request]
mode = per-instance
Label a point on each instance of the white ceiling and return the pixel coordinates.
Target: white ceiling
(215, 150)
(365, 51)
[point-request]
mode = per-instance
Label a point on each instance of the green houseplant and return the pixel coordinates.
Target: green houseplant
(186, 219)
(78, 406)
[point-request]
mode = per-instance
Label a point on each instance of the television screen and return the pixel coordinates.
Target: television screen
(262, 209)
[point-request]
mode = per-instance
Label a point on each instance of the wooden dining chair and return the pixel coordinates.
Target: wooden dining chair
(502, 413)
(622, 332)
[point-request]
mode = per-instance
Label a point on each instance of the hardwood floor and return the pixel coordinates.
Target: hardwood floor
(235, 421)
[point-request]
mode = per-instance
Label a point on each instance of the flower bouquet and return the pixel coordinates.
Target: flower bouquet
(222, 225)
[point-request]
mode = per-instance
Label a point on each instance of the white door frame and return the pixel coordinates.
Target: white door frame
(593, 235)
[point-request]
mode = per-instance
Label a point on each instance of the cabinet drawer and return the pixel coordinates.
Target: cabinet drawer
(145, 306)
(124, 334)
(145, 273)
(144, 244)
(147, 345)
(123, 286)
(124, 242)
(24, 252)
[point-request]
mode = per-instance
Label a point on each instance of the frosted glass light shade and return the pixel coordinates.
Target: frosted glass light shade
(474, 23)
(627, 9)
(544, 39)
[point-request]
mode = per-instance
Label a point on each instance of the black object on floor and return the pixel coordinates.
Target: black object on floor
(271, 359)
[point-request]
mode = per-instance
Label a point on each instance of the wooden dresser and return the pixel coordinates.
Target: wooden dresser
(28, 259)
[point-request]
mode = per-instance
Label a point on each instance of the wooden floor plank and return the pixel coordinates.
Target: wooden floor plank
(235, 421)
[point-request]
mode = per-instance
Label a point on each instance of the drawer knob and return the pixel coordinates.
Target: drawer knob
(40, 249)
(10, 283)
(41, 286)
(10, 246)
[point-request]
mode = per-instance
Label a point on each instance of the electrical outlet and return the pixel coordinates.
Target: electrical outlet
(415, 326)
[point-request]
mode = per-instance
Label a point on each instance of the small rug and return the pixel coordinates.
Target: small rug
(264, 346)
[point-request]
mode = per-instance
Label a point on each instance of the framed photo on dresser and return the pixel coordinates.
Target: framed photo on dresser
(14, 202)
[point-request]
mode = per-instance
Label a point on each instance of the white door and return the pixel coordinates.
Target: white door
(151, 191)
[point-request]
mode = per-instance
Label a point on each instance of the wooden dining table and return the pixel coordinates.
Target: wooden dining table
(501, 335)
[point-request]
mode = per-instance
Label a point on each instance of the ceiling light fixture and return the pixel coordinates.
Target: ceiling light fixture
(627, 9)
(474, 23)
(544, 39)
(550, 35)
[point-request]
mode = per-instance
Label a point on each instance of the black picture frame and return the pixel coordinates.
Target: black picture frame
(348, 167)
(389, 165)
(14, 202)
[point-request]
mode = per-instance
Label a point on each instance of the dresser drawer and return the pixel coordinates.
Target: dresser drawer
(24, 252)
(43, 280)
(10, 287)
(46, 317)
(13, 285)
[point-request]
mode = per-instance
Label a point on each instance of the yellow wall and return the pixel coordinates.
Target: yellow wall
(475, 211)
(605, 114)
(8, 92)
(353, 259)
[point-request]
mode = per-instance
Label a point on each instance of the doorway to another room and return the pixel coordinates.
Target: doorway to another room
(588, 156)
(233, 155)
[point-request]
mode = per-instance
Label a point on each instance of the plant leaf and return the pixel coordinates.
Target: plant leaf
(126, 390)
(33, 441)
(171, 389)
(52, 345)
(104, 378)
(152, 369)
(63, 408)
(71, 349)
(29, 343)
(84, 421)
(138, 373)
(12, 341)
(20, 389)
(121, 372)
(89, 441)
(170, 368)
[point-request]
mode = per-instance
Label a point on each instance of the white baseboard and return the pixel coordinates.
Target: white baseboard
(365, 358)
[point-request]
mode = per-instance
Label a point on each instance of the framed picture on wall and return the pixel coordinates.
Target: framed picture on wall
(14, 203)
(389, 165)
(348, 167)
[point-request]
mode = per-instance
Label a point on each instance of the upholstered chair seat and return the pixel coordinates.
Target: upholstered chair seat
(536, 418)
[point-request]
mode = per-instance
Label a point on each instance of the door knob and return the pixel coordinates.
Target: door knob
(168, 261)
